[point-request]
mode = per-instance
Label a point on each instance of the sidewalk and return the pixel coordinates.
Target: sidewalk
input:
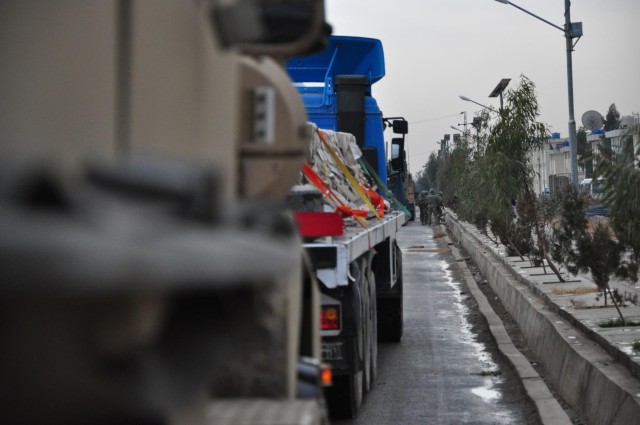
(594, 369)
(586, 311)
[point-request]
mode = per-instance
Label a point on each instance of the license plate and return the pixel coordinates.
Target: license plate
(332, 351)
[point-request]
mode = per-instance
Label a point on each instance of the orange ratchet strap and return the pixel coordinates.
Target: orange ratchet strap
(344, 210)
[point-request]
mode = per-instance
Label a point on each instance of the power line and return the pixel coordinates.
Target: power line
(421, 153)
(434, 119)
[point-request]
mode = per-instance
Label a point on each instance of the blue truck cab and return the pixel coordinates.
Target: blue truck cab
(335, 86)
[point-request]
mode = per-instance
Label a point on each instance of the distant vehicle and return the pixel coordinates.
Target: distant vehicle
(595, 192)
(594, 189)
(545, 193)
(597, 189)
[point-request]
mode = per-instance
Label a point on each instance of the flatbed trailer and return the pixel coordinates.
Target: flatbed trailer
(361, 285)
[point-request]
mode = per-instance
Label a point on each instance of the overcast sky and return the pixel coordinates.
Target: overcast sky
(437, 50)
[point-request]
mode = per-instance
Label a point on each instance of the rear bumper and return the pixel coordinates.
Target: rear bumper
(340, 354)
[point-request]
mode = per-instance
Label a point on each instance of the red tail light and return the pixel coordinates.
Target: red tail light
(330, 318)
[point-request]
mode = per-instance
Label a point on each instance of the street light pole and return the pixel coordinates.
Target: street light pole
(477, 124)
(573, 140)
(465, 122)
(466, 99)
(570, 32)
(499, 89)
(465, 132)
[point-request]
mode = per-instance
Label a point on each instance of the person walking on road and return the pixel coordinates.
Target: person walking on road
(422, 204)
(432, 203)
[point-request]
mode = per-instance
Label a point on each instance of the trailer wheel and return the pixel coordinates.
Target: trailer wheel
(371, 329)
(373, 367)
(345, 399)
(390, 326)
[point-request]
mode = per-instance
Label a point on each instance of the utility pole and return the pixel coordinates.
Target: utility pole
(571, 31)
(573, 140)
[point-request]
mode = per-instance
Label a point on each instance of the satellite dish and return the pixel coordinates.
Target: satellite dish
(592, 120)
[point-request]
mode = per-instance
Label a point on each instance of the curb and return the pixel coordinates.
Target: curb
(549, 410)
(585, 375)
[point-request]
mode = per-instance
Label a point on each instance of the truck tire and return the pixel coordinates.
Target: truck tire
(371, 330)
(390, 313)
(345, 399)
(345, 396)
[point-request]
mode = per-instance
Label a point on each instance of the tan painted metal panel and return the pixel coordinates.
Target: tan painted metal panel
(57, 78)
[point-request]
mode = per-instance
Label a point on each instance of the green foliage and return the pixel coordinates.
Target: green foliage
(569, 206)
(612, 120)
(469, 189)
(622, 196)
(490, 373)
(584, 152)
(481, 126)
(599, 254)
(520, 237)
(487, 173)
(427, 177)
(431, 170)
(422, 183)
(618, 323)
(605, 251)
(507, 169)
(595, 252)
(450, 174)
(492, 170)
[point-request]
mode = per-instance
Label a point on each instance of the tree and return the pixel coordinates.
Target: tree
(427, 177)
(431, 169)
(457, 174)
(480, 124)
(472, 204)
(510, 174)
(605, 251)
(568, 206)
(622, 197)
(585, 155)
(452, 168)
(612, 120)
(597, 252)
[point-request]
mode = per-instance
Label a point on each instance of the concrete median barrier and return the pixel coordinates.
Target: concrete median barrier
(584, 373)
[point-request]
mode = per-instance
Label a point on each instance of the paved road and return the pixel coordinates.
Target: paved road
(445, 370)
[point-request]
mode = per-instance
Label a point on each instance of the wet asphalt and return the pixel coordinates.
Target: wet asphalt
(445, 370)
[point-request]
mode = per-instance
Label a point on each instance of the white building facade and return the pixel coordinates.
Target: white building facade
(552, 162)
